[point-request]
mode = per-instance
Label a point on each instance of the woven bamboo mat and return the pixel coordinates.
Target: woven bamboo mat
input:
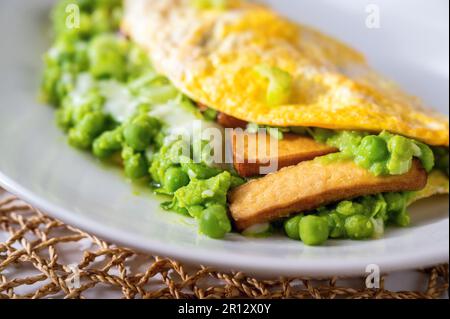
(32, 265)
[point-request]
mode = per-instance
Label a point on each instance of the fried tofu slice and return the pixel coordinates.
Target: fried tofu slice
(228, 121)
(292, 149)
(310, 185)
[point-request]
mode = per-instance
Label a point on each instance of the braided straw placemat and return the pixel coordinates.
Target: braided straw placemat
(32, 265)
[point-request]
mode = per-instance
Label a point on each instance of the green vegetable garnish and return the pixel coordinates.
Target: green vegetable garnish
(135, 164)
(383, 154)
(279, 90)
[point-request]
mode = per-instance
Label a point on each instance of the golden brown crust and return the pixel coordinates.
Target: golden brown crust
(310, 185)
(292, 149)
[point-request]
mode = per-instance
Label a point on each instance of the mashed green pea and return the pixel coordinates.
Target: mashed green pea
(336, 225)
(84, 133)
(108, 143)
(359, 227)
(397, 208)
(205, 200)
(204, 192)
(107, 57)
(383, 154)
(349, 208)
(140, 131)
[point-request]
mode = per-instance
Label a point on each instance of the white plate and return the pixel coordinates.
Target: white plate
(38, 165)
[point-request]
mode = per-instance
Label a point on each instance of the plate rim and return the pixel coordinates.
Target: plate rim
(336, 267)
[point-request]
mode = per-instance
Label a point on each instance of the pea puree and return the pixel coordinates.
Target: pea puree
(361, 218)
(383, 154)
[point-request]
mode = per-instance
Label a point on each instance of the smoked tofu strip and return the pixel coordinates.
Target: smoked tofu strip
(310, 185)
(230, 122)
(292, 149)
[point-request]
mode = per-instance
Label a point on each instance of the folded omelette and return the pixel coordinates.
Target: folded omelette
(210, 55)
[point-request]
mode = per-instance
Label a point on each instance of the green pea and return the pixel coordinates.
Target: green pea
(402, 219)
(214, 222)
(426, 156)
(138, 63)
(210, 4)
(84, 133)
(64, 118)
(379, 168)
(371, 150)
(174, 179)
(139, 133)
(291, 227)
(399, 167)
(106, 57)
(92, 102)
(348, 208)
(108, 143)
(200, 171)
(359, 227)
(136, 166)
(402, 151)
(313, 230)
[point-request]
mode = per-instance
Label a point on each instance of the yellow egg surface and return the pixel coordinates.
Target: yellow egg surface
(211, 54)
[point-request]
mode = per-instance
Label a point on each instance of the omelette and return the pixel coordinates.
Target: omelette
(320, 145)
